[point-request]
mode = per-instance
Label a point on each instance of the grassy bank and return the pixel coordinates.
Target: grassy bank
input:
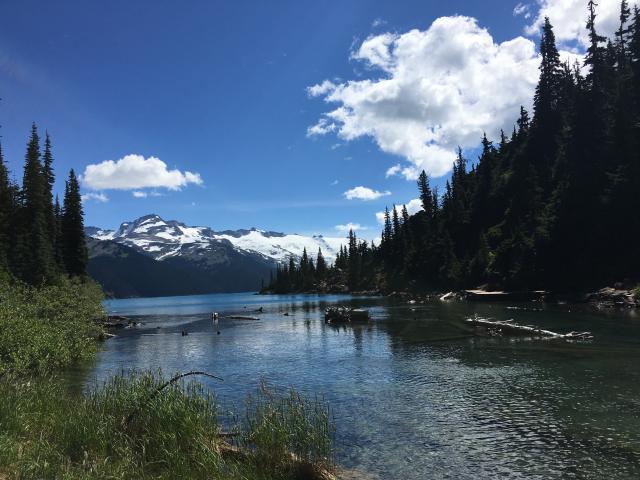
(48, 432)
(127, 427)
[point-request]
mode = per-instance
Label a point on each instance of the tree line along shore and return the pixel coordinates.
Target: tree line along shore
(552, 205)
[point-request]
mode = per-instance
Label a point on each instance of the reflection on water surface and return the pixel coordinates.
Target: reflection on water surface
(413, 394)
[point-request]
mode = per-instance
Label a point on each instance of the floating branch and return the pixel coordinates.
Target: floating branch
(508, 327)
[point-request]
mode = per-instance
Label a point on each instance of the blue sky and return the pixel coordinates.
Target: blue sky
(221, 90)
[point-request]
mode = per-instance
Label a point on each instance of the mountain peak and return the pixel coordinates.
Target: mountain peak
(162, 239)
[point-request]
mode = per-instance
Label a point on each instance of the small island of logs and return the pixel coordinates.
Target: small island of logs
(345, 315)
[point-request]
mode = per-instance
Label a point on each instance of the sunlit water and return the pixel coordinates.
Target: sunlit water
(413, 395)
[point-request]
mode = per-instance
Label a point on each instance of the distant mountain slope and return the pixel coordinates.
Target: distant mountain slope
(153, 257)
(162, 239)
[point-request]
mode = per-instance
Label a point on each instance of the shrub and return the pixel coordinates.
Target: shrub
(47, 328)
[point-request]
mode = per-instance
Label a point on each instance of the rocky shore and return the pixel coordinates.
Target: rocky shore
(607, 297)
(617, 296)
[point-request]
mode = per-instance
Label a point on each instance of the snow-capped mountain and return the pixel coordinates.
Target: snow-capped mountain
(154, 257)
(162, 239)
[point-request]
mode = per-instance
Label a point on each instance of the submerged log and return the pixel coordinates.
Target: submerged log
(499, 295)
(242, 317)
(508, 327)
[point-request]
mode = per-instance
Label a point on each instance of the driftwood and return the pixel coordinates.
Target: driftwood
(303, 468)
(508, 327)
(242, 317)
(155, 393)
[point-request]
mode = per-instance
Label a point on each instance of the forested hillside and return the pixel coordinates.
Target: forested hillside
(554, 204)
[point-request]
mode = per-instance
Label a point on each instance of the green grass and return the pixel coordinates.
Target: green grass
(45, 329)
(122, 429)
(636, 292)
(48, 432)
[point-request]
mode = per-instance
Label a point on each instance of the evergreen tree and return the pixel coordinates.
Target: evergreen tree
(34, 263)
(6, 213)
(49, 180)
(74, 247)
(321, 265)
(547, 120)
(425, 194)
(58, 238)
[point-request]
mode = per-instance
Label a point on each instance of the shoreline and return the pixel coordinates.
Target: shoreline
(606, 297)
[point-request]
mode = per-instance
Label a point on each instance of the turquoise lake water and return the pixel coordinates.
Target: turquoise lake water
(414, 395)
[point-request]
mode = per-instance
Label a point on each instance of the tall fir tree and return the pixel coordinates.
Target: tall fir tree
(321, 265)
(35, 261)
(6, 213)
(49, 181)
(546, 125)
(74, 246)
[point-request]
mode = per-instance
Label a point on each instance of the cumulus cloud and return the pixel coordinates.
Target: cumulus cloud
(134, 172)
(569, 18)
(436, 89)
(98, 197)
(139, 194)
(413, 206)
(364, 193)
(349, 226)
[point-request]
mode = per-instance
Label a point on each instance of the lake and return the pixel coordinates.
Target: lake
(413, 394)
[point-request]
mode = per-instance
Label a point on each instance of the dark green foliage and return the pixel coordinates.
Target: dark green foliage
(35, 262)
(555, 206)
(39, 240)
(46, 328)
(74, 251)
(49, 181)
(7, 211)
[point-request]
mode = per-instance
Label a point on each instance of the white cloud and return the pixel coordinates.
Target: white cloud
(413, 206)
(378, 22)
(334, 183)
(392, 171)
(522, 9)
(349, 226)
(98, 197)
(139, 194)
(321, 89)
(135, 172)
(364, 193)
(439, 88)
(323, 127)
(569, 18)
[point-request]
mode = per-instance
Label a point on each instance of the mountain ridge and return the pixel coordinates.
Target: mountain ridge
(179, 259)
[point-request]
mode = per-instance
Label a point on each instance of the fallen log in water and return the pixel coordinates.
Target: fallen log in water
(508, 327)
(242, 317)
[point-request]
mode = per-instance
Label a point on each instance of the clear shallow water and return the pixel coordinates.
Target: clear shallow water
(413, 395)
